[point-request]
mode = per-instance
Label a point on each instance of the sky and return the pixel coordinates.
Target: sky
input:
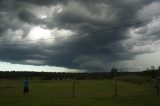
(79, 35)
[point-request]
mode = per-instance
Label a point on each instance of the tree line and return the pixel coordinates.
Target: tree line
(53, 75)
(150, 72)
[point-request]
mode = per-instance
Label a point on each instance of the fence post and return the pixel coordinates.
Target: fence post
(114, 73)
(73, 87)
(115, 83)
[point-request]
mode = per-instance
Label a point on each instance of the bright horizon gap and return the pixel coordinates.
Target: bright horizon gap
(6, 66)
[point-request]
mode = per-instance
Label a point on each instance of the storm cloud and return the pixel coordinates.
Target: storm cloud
(93, 35)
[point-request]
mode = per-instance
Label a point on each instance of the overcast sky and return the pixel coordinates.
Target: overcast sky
(79, 35)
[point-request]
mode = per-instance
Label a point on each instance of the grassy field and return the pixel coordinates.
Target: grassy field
(88, 93)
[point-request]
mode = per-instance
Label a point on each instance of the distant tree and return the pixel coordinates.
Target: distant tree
(152, 67)
(158, 71)
(113, 72)
(153, 72)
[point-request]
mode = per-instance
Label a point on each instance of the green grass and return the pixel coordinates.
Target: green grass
(88, 93)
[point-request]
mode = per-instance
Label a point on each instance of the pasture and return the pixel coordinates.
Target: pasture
(88, 93)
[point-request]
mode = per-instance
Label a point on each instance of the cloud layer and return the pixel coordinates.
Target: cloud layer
(94, 35)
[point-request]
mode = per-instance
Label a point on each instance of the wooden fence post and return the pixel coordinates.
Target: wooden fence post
(73, 87)
(115, 84)
(114, 72)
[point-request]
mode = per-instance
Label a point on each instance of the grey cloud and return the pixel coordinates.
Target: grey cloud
(44, 2)
(77, 13)
(27, 16)
(149, 11)
(91, 51)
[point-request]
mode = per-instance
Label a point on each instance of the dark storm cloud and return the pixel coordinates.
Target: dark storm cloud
(27, 16)
(44, 2)
(102, 28)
